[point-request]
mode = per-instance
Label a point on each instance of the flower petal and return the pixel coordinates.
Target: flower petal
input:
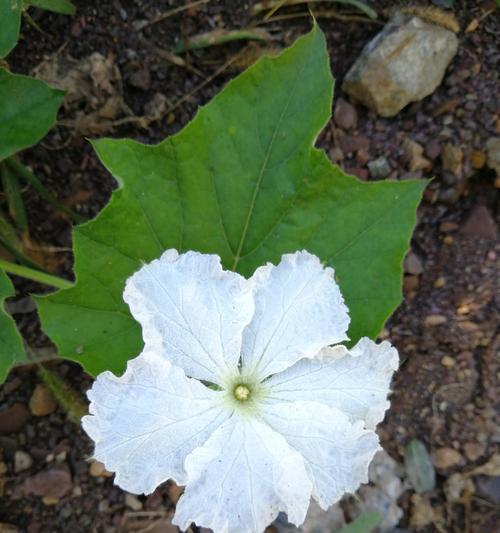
(298, 311)
(242, 478)
(192, 311)
(336, 452)
(147, 421)
(357, 384)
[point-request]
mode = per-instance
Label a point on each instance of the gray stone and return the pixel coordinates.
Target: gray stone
(380, 167)
(382, 495)
(489, 488)
(404, 63)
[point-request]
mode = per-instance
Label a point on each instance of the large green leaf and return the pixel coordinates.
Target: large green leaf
(28, 109)
(10, 23)
(11, 344)
(241, 180)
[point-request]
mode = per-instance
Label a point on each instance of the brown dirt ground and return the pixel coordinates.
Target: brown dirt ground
(446, 392)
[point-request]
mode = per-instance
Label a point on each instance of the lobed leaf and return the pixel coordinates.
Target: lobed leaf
(244, 181)
(11, 343)
(28, 110)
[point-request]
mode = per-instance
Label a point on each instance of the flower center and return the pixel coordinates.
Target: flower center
(241, 392)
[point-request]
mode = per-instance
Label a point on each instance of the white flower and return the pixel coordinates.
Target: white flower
(287, 416)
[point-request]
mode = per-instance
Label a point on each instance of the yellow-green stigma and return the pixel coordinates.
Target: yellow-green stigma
(241, 392)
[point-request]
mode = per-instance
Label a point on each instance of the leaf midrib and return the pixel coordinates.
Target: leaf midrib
(260, 176)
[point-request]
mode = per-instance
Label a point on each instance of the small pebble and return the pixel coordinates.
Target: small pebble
(410, 283)
(444, 458)
(97, 469)
(345, 115)
(440, 283)
(481, 224)
(352, 143)
(13, 418)
(448, 361)
(360, 173)
(22, 461)
(434, 320)
(432, 149)
(489, 488)
(414, 151)
(413, 264)
(380, 167)
(42, 402)
(133, 502)
(474, 450)
(50, 500)
(53, 483)
(452, 159)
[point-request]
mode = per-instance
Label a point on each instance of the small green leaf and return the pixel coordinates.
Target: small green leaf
(28, 110)
(10, 23)
(63, 7)
(419, 466)
(365, 523)
(242, 180)
(11, 343)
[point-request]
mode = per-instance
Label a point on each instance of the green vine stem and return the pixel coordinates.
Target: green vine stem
(69, 399)
(23, 172)
(35, 275)
(12, 191)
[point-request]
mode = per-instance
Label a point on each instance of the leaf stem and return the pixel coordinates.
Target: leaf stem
(25, 173)
(12, 190)
(35, 275)
(68, 398)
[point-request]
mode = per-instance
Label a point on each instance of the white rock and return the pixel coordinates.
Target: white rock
(404, 63)
(22, 461)
(382, 495)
